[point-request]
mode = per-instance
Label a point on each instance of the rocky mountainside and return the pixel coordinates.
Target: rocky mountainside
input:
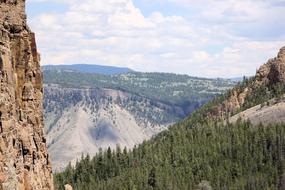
(268, 83)
(98, 111)
(270, 112)
(24, 161)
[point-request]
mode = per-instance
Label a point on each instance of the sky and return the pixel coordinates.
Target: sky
(206, 38)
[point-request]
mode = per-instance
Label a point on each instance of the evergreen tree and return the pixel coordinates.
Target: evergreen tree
(151, 178)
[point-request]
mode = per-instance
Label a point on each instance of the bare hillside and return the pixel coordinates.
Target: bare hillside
(271, 112)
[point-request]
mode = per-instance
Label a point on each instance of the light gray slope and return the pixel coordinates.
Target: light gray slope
(81, 125)
(269, 113)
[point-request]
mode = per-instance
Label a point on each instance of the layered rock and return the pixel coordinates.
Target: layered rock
(24, 161)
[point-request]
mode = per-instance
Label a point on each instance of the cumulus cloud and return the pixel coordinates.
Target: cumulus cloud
(222, 38)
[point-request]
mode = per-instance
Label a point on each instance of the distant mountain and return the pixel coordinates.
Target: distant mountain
(85, 111)
(88, 68)
(237, 79)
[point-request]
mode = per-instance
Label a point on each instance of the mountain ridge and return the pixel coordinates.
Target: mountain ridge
(267, 84)
(89, 68)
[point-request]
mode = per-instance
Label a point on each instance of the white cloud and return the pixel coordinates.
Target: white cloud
(214, 42)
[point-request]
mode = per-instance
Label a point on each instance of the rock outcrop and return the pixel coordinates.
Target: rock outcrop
(68, 187)
(271, 73)
(270, 113)
(24, 161)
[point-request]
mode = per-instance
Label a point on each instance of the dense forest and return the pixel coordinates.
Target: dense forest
(232, 156)
(197, 153)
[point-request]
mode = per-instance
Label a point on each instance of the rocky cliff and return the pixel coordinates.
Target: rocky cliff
(267, 77)
(24, 161)
(273, 71)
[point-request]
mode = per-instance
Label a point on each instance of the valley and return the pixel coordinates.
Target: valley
(100, 111)
(98, 127)
(235, 141)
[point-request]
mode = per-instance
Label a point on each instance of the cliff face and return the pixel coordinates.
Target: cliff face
(271, 73)
(274, 70)
(24, 161)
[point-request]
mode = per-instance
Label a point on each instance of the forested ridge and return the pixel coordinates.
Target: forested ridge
(169, 88)
(197, 153)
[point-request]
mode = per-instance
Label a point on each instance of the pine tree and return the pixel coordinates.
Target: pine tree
(152, 178)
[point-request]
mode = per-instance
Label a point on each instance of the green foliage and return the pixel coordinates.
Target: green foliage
(152, 178)
(234, 156)
(263, 94)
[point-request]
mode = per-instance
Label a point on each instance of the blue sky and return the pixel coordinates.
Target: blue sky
(208, 38)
